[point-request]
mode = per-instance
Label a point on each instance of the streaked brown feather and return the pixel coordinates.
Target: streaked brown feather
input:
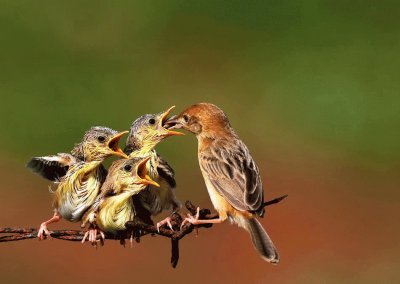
(233, 173)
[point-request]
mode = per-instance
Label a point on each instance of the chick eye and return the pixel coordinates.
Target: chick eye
(152, 121)
(185, 117)
(128, 168)
(101, 138)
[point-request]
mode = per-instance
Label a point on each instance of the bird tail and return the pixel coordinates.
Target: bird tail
(261, 241)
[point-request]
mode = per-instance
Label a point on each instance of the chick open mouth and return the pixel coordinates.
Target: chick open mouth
(164, 117)
(142, 173)
(114, 144)
(165, 123)
(141, 169)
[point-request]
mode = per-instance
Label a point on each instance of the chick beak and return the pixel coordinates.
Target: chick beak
(113, 145)
(165, 123)
(141, 172)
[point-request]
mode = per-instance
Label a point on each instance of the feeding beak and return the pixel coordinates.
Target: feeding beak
(165, 123)
(175, 122)
(141, 171)
(113, 145)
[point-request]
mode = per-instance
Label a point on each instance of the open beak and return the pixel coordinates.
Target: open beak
(165, 123)
(173, 123)
(141, 171)
(113, 145)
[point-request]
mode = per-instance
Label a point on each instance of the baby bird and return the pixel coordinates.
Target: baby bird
(145, 133)
(114, 206)
(231, 176)
(78, 175)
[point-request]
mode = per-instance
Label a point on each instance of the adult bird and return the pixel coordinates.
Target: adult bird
(232, 178)
(78, 175)
(114, 206)
(145, 133)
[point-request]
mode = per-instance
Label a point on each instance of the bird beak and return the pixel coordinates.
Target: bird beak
(141, 171)
(113, 145)
(164, 123)
(173, 123)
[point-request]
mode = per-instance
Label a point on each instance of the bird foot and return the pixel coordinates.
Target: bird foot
(163, 222)
(91, 236)
(43, 233)
(192, 219)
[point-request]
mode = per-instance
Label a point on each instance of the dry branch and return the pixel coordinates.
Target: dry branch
(134, 229)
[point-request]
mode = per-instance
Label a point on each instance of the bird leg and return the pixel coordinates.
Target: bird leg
(91, 235)
(195, 219)
(43, 232)
(163, 222)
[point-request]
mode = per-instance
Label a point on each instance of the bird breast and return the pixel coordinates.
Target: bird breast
(219, 202)
(77, 191)
(115, 212)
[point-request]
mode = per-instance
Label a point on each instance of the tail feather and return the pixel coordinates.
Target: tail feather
(261, 241)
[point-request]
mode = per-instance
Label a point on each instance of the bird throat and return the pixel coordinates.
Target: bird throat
(140, 149)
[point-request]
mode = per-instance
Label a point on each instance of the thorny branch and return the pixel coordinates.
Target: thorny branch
(134, 230)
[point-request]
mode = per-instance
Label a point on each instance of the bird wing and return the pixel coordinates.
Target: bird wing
(165, 171)
(155, 200)
(52, 167)
(233, 173)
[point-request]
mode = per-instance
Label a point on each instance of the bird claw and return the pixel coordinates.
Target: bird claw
(192, 219)
(131, 240)
(163, 222)
(85, 237)
(91, 236)
(43, 233)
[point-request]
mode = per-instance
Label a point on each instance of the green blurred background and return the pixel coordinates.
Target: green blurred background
(312, 87)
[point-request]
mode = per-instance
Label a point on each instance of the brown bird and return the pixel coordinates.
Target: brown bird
(78, 175)
(232, 178)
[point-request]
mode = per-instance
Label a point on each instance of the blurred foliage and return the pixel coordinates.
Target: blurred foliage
(323, 71)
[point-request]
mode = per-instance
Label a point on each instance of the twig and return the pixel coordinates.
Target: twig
(134, 228)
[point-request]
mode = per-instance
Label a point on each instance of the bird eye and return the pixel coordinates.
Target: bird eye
(128, 168)
(152, 121)
(101, 138)
(185, 117)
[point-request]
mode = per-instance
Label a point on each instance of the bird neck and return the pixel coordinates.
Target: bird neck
(140, 148)
(87, 167)
(206, 138)
(143, 152)
(214, 133)
(115, 212)
(120, 200)
(123, 196)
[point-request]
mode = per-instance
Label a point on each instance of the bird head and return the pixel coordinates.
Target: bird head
(129, 175)
(201, 119)
(147, 131)
(98, 143)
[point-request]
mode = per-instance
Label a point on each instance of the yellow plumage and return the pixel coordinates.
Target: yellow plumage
(146, 132)
(78, 175)
(114, 206)
(115, 211)
(78, 190)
